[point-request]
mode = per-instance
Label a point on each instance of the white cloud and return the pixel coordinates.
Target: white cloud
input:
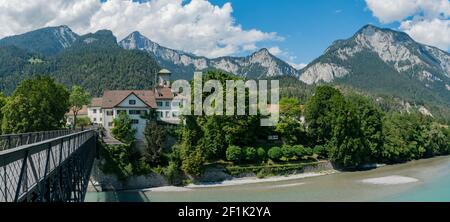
(197, 26)
(288, 57)
(392, 10)
(427, 21)
(434, 32)
(275, 51)
(298, 65)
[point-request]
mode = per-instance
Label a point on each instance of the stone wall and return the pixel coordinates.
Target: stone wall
(104, 182)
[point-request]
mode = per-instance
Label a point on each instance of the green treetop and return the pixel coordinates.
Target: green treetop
(78, 98)
(37, 104)
(123, 129)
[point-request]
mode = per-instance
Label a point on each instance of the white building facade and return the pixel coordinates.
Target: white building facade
(137, 104)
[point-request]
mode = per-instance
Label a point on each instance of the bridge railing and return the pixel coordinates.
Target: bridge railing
(57, 169)
(9, 141)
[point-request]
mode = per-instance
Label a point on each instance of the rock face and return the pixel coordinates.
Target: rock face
(106, 182)
(326, 72)
(393, 48)
(46, 41)
(258, 65)
(396, 49)
(384, 61)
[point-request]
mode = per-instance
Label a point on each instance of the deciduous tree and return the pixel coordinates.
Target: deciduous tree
(123, 128)
(77, 99)
(37, 104)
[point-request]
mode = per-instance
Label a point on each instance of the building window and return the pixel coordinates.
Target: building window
(95, 111)
(273, 137)
(175, 114)
(101, 111)
(137, 112)
(95, 119)
(159, 104)
(101, 119)
(135, 121)
(109, 113)
(167, 104)
(132, 102)
(167, 114)
(110, 124)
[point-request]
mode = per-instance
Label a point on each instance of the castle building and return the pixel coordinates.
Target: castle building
(136, 103)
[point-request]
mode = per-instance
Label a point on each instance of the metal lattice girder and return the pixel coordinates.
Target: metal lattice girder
(10, 141)
(52, 170)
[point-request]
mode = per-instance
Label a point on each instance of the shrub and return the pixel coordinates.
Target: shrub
(117, 160)
(249, 154)
(267, 170)
(83, 122)
(172, 172)
(261, 154)
(193, 163)
(321, 151)
(142, 167)
(234, 154)
(263, 173)
(308, 151)
(288, 152)
(299, 150)
(275, 153)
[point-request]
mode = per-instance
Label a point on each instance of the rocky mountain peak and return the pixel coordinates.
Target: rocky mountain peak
(262, 55)
(263, 51)
(45, 41)
(377, 58)
(259, 64)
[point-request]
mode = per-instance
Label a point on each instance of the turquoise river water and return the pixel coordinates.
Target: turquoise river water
(426, 180)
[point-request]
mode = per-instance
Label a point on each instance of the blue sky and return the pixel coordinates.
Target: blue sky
(308, 27)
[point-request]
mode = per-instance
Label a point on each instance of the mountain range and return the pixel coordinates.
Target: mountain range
(384, 61)
(374, 60)
(260, 64)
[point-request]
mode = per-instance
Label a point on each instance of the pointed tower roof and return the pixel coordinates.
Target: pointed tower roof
(164, 71)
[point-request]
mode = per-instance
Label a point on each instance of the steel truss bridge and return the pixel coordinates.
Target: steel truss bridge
(52, 166)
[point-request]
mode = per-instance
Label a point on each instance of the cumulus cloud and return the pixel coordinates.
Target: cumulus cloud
(392, 10)
(298, 65)
(197, 26)
(288, 57)
(427, 21)
(434, 32)
(275, 51)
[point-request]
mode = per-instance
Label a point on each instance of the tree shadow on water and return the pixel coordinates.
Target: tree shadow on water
(130, 197)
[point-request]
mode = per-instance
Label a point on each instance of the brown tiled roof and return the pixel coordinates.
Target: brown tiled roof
(164, 93)
(82, 112)
(96, 102)
(112, 98)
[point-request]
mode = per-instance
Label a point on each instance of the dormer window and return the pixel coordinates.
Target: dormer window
(132, 102)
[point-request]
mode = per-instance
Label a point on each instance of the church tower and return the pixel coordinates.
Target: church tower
(164, 78)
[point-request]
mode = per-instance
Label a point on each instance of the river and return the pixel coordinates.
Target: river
(423, 180)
